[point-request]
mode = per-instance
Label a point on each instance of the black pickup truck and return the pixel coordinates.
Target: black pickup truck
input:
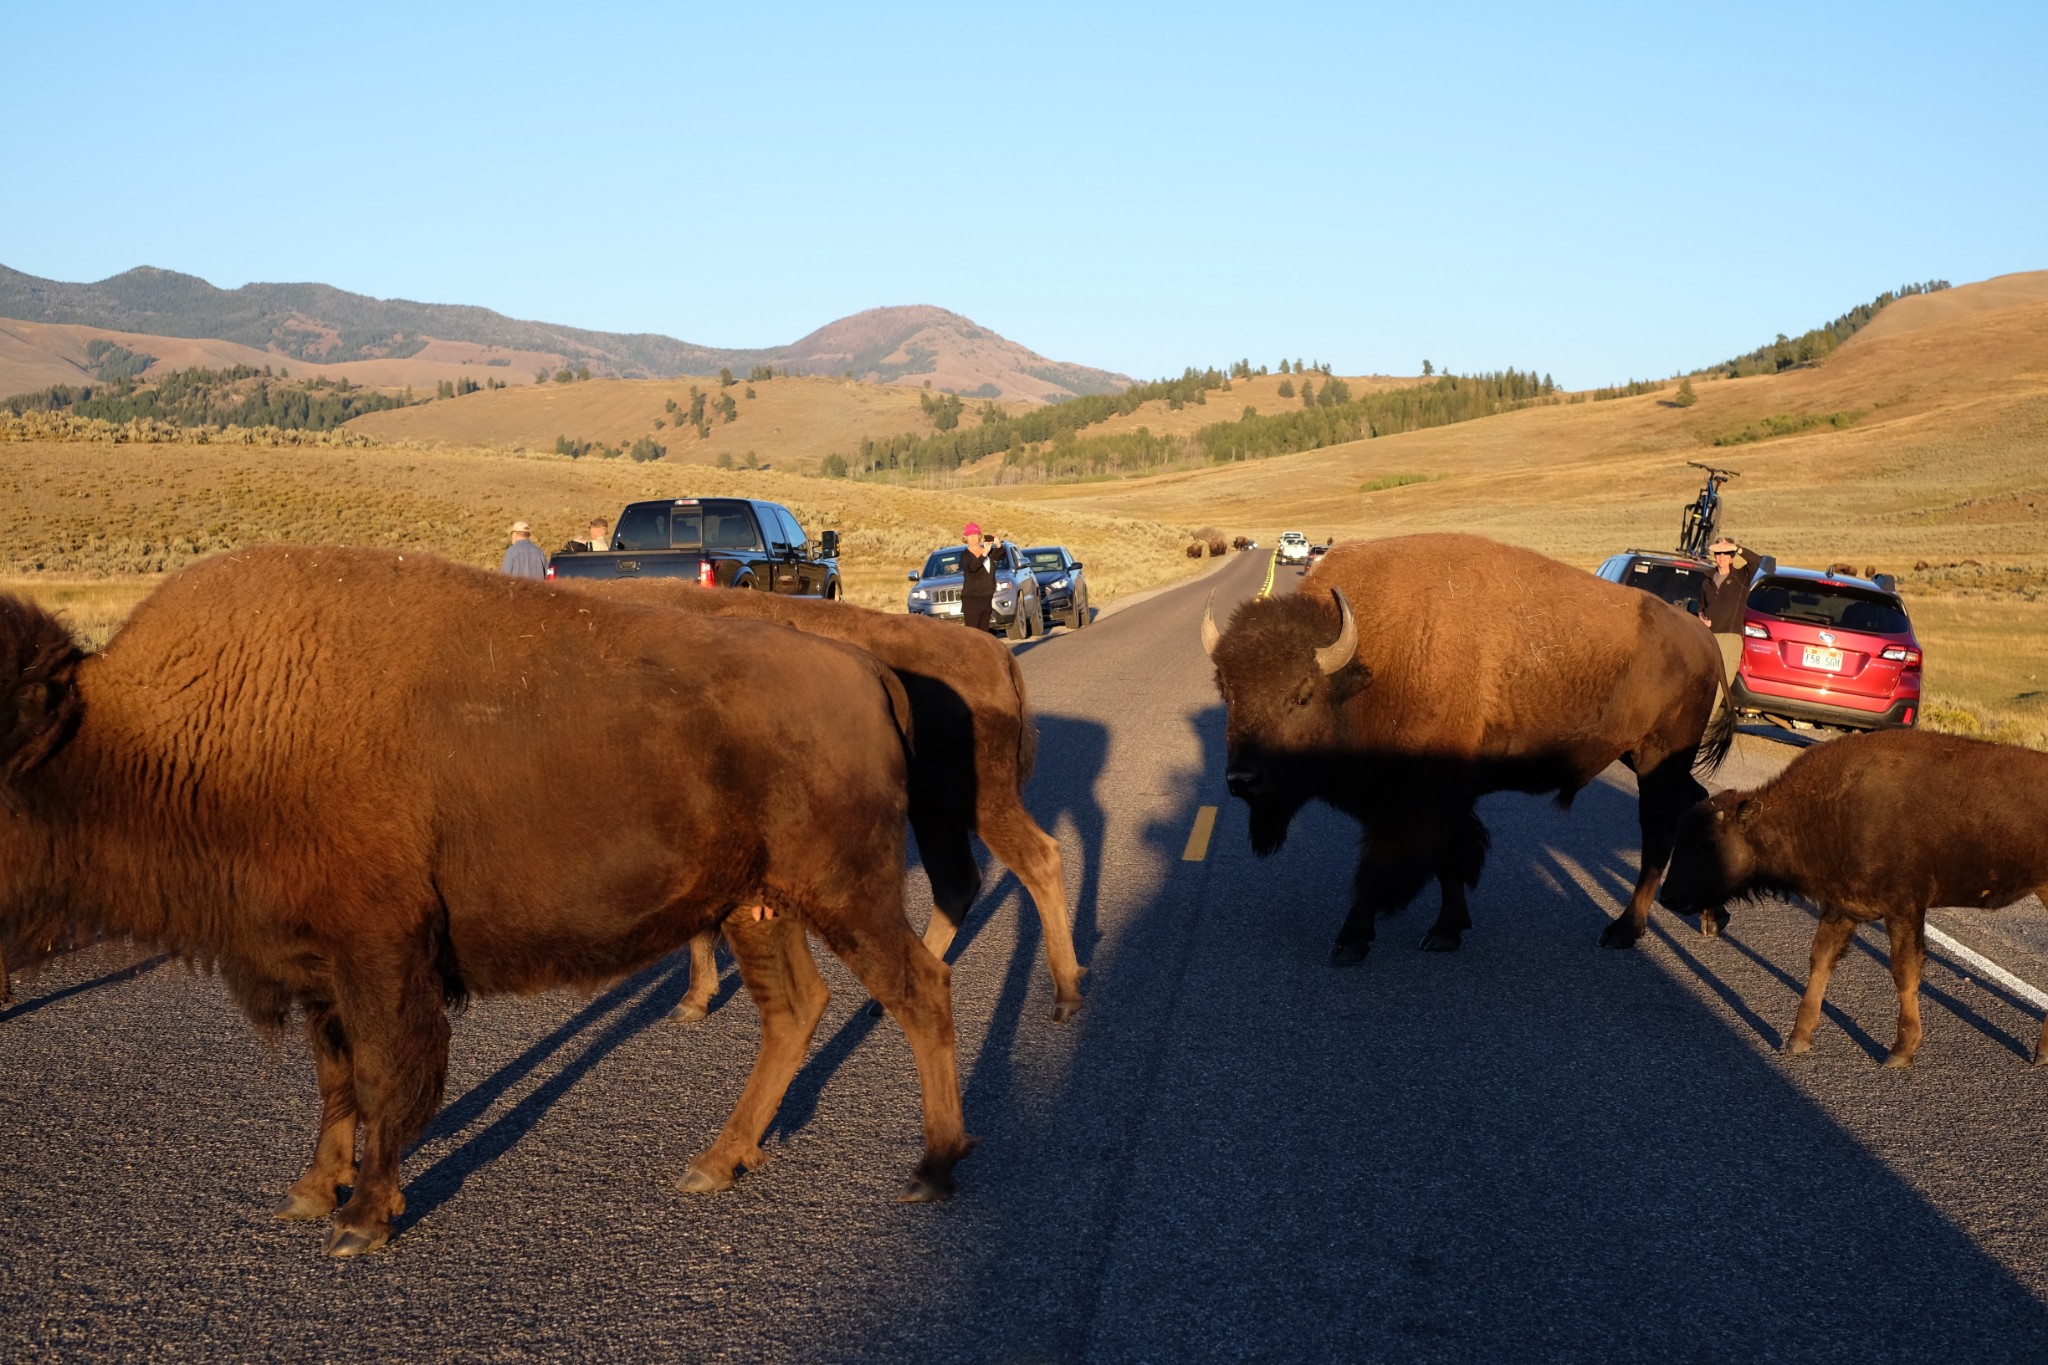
(720, 542)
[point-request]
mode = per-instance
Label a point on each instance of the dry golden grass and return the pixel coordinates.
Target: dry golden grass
(790, 423)
(73, 510)
(1943, 464)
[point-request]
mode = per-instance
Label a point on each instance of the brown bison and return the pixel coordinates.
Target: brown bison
(1875, 826)
(1409, 677)
(974, 752)
(335, 777)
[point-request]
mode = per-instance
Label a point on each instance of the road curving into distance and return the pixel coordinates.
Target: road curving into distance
(1530, 1148)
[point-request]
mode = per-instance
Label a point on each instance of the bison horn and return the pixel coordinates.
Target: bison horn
(1210, 635)
(1339, 652)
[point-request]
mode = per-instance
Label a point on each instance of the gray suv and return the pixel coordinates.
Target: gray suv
(935, 590)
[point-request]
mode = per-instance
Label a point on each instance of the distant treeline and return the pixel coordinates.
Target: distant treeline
(1817, 344)
(242, 396)
(1052, 441)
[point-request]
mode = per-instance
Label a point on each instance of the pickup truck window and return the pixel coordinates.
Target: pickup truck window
(731, 530)
(643, 526)
(791, 531)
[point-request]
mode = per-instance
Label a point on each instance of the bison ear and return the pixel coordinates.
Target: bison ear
(39, 702)
(1350, 681)
(1746, 812)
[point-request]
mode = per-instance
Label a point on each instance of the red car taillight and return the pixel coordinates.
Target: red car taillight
(1899, 654)
(1755, 631)
(704, 574)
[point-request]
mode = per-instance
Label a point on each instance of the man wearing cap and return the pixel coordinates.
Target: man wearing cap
(977, 581)
(523, 558)
(1722, 597)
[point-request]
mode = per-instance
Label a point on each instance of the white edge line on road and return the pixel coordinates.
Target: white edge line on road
(1991, 969)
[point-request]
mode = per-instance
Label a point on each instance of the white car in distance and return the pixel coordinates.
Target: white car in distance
(1293, 547)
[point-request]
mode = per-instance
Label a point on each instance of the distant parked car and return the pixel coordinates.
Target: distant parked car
(935, 590)
(1316, 552)
(1293, 547)
(1829, 649)
(1062, 589)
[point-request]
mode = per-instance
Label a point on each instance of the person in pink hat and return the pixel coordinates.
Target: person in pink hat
(977, 580)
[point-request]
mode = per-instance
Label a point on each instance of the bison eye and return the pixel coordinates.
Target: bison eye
(1305, 693)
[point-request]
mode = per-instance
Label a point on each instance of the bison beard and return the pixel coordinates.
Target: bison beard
(1490, 669)
(335, 777)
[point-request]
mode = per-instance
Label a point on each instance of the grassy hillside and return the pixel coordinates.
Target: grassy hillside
(789, 423)
(1920, 441)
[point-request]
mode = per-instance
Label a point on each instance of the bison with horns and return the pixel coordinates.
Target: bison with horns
(1408, 677)
(334, 776)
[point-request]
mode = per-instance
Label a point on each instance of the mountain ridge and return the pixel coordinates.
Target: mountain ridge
(322, 325)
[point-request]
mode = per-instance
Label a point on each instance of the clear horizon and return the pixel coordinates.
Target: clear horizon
(1614, 194)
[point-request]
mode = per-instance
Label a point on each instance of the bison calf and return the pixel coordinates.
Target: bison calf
(1868, 827)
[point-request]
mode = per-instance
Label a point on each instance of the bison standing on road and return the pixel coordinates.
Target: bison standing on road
(975, 748)
(337, 777)
(1875, 826)
(1409, 677)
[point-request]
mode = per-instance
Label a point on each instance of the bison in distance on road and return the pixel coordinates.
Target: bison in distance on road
(1409, 677)
(1875, 826)
(333, 776)
(974, 751)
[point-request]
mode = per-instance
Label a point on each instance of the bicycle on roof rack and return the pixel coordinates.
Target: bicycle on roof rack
(1703, 514)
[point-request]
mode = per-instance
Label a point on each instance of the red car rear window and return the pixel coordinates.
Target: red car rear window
(1827, 604)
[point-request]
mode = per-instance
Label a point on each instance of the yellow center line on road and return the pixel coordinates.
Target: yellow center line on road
(1266, 588)
(1198, 837)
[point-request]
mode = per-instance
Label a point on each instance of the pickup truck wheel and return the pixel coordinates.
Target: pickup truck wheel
(1080, 612)
(831, 592)
(1018, 628)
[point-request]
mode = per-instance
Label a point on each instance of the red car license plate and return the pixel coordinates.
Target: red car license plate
(1826, 660)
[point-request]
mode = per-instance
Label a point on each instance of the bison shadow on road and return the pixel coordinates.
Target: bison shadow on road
(1530, 1148)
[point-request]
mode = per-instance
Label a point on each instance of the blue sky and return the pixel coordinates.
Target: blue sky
(1598, 192)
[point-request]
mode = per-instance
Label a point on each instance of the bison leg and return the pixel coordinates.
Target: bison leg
(398, 1042)
(1665, 793)
(1460, 857)
(334, 1152)
(1909, 954)
(1012, 835)
(783, 982)
(1389, 875)
(696, 1002)
(915, 988)
(955, 876)
(1830, 941)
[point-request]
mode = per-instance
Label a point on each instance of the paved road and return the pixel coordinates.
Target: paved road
(1531, 1148)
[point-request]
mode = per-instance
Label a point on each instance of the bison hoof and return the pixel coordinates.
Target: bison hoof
(1437, 941)
(1619, 934)
(928, 1187)
(303, 1208)
(1349, 954)
(697, 1180)
(345, 1241)
(1897, 1061)
(2040, 1057)
(1710, 923)
(1798, 1047)
(690, 1012)
(1064, 1010)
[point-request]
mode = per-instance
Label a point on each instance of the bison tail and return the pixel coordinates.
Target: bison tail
(899, 705)
(1027, 732)
(1720, 733)
(39, 702)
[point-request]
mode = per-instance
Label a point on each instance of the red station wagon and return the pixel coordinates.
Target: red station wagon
(1833, 650)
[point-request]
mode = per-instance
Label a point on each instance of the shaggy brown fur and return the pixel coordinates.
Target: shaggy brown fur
(335, 777)
(1479, 667)
(1875, 826)
(974, 752)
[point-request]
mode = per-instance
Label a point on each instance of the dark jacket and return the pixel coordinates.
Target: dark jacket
(1722, 602)
(977, 579)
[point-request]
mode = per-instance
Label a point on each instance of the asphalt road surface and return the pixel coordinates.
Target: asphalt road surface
(1531, 1148)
